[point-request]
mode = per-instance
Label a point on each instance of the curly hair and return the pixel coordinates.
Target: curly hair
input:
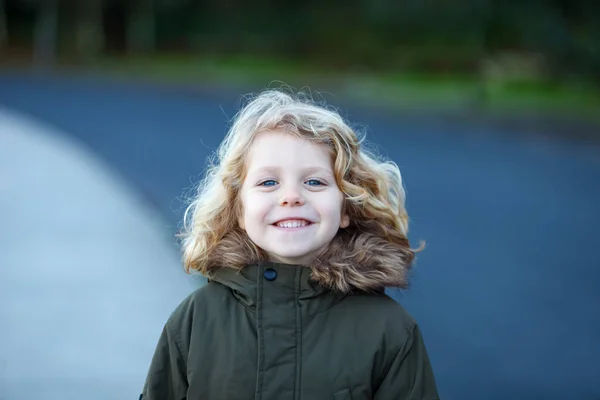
(371, 253)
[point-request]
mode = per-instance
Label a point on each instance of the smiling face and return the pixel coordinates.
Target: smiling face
(291, 204)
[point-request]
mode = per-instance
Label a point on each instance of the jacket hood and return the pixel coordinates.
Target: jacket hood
(353, 261)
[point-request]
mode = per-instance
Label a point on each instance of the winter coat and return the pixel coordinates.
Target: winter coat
(271, 332)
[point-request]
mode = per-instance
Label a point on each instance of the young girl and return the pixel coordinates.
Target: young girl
(298, 230)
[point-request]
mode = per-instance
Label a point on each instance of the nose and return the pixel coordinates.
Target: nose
(291, 198)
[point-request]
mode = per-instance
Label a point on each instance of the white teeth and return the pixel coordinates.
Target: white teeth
(292, 224)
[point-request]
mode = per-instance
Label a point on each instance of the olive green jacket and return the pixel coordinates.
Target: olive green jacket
(271, 333)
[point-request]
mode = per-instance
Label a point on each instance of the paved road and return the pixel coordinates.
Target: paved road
(508, 288)
(88, 272)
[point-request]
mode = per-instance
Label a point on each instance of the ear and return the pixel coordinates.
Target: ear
(344, 221)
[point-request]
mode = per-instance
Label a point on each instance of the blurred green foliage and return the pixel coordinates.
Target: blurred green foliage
(477, 46)
(409, 35)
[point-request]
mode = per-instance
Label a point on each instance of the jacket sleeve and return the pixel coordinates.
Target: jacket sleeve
(167, 377)
(410, 376)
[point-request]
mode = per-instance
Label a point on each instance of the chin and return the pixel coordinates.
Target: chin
(297, 256)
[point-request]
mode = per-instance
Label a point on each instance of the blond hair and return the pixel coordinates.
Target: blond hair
(372, 188)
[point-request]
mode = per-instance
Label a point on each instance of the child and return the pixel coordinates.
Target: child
(298, 230)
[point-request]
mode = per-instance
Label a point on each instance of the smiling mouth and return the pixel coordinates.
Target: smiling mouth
(292, 223)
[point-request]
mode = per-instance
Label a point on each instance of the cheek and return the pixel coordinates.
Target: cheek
(254, 207)
(332, 208)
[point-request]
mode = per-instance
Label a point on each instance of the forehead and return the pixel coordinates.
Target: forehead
(278, 149)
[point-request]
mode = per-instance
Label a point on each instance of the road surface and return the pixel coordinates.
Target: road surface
(507, 291)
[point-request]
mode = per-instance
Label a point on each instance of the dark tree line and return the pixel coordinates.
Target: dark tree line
(421, 35)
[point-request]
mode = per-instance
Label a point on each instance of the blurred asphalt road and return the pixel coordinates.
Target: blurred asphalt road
(88, 273)
(507, 290)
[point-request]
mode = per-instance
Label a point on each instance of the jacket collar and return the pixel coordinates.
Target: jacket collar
(293, 282)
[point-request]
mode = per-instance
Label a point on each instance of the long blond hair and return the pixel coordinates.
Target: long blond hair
(372, 187)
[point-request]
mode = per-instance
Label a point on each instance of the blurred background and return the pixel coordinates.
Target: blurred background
(108, 110)
(476, 54)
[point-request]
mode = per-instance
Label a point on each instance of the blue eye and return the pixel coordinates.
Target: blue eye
(314, 182)
(268, 182)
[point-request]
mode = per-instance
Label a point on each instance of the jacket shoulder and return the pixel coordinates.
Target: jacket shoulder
(380, 306)
(382, 314)
(200, 304)
(199, 300)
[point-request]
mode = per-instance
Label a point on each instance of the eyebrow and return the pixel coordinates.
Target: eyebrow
(306, 170)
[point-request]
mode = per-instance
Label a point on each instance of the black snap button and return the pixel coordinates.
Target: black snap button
(270, 274)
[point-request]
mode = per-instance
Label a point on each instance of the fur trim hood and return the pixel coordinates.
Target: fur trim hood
(353, 261)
